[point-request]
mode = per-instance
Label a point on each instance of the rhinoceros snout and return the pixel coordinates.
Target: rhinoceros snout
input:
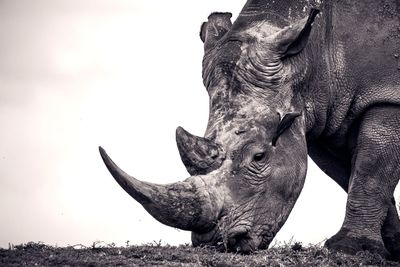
(241, 242)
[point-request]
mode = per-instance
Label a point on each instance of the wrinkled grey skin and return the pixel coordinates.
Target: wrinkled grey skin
(282, 85)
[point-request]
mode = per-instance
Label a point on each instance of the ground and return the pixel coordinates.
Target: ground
(39, 254)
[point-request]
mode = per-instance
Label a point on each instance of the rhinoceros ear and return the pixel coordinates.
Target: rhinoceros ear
(291, 40)
(215, 28)
(284, 124)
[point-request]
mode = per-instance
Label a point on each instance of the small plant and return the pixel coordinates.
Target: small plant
(157, 243)
(297, 246)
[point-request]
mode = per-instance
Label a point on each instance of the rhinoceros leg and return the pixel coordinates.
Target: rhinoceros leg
(375, 173)
(391, 232)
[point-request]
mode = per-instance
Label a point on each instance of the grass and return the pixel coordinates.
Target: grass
(101, 254)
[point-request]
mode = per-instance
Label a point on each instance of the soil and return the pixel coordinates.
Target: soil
(39, 254)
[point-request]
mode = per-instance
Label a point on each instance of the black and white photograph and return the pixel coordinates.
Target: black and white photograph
(200, 133)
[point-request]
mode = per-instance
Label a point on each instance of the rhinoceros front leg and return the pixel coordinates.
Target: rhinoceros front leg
(391, 232)
(375, 173)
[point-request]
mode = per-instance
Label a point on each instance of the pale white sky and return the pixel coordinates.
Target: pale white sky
(77, 74)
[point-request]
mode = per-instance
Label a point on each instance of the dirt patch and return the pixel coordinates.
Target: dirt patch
(38, 254)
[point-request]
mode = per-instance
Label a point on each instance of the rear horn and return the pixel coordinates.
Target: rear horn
(199, 155)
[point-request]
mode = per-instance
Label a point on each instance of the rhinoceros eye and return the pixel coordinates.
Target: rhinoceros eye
(258, 164)
(259, 156)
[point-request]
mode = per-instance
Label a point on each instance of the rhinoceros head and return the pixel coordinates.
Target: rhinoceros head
(249, 168)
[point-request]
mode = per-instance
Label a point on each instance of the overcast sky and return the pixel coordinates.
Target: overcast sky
(77, 74)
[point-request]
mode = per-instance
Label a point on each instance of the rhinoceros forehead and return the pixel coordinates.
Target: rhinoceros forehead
(228, 106)
(238, 131)
(242, 114)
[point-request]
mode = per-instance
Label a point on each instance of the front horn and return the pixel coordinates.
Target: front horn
(183, 205)
(199, 155)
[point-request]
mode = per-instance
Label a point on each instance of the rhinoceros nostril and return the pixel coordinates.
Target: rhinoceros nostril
(240, 242)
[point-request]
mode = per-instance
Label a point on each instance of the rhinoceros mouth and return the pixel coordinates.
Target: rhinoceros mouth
(212, 238)
(247, 242)
(237, 240)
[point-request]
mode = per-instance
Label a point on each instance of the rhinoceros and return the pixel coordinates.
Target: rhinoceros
(289, 79)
